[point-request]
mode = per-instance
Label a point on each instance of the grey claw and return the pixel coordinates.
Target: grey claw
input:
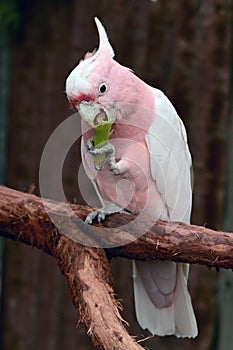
(100, 214)
(99, 167)
(107, 149)
(90, 145)
(88, 220)
(101, 217)
(90, 217)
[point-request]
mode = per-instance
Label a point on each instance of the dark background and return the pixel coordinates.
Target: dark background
(182, 47)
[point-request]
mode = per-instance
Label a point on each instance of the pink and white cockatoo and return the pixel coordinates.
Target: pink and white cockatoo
(148, 150)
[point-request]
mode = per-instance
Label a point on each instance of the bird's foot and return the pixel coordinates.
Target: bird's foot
(100, 214)
(103, 155)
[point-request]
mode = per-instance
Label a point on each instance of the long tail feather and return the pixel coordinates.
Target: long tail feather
(177, 319)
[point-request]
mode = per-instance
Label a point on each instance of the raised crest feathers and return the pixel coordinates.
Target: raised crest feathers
(104, 45)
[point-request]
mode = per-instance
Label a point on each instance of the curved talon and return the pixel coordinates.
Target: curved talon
(96, 214)
(90, 145)
(108, 151)
(88, 220)
(99, 167)
(100, 214)
(100, 217)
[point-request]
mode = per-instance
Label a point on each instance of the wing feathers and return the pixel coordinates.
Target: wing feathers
(170, 159)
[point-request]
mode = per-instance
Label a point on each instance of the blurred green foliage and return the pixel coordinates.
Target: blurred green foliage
(10, 17)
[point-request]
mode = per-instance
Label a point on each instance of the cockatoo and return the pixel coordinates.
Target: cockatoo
(148, 150)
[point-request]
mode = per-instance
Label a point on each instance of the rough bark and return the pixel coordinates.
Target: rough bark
(86, 269)
(23, 217)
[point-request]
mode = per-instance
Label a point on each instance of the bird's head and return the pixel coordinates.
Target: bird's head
(100, 88)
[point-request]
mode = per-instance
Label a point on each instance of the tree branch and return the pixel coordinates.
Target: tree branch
(23, 217)
(86, 269)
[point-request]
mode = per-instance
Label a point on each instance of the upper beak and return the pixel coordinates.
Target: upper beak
(93, 114)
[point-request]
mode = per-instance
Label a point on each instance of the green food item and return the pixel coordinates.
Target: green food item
(101, 135)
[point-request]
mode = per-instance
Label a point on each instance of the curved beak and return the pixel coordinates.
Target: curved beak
(94, 114)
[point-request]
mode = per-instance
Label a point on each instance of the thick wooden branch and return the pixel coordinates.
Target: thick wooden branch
(185, 243)
(86, 269)
(23, 217)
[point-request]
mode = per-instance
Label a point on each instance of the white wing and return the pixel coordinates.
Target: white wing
(170, 159)
(170, 163)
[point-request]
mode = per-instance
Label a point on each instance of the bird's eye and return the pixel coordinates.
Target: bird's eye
(102, 88)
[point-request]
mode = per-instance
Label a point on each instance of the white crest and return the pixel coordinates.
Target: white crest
(104, 45)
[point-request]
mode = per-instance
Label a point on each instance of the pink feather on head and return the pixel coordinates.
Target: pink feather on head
(123, 90)
(77, 81)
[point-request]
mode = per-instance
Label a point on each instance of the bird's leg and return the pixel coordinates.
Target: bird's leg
(108, 153)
